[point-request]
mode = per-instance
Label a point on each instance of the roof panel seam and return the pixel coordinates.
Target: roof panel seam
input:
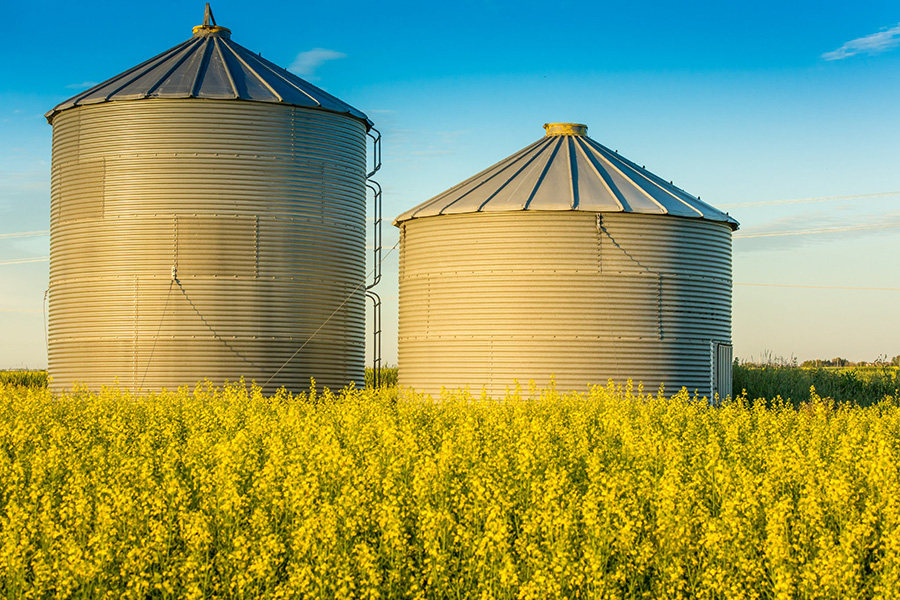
(527, 164)
(573, 172)
(250, 77)
(608, 161)
(543, 174)
(500, 167)
(227, 68)
(78, 98)
(265, 63)
(178, 62)
(660, 183)
(202, 68)
(251, 69)
(651, 178)
(607, 182)
(279, 72)
(131, 80)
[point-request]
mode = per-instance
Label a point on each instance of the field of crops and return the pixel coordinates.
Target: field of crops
(863, 386)
(221, 492)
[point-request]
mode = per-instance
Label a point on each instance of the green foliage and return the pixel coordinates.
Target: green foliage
(39, 378)
(388, 377)
(819, 363)
(24, 378)
(859, 385)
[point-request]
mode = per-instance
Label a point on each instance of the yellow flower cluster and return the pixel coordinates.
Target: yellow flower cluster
(222, 492)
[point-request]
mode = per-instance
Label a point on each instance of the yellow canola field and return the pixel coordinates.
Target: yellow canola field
(221, 492)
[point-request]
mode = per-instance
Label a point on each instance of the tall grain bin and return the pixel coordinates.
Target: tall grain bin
(207, 222)
(565, 260)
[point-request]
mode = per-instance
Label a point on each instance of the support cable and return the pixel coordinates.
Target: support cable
(340, 306)
(211, 328)
(807, 200)
(24, 261)
(823, 287)
(24, 234)
(744, 236)
(158, 330)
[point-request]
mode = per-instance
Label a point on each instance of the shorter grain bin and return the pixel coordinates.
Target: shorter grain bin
(566, 261)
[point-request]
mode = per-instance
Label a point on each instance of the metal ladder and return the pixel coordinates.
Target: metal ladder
(377, 244)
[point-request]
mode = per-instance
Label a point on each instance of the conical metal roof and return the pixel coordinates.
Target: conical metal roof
(209, 65)
(566, 170)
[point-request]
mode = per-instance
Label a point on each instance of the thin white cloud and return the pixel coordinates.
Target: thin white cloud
(874, 43)
(307, 62)
(81, 86)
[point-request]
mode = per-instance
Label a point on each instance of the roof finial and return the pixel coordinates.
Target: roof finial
(208, 16)
(209, 27)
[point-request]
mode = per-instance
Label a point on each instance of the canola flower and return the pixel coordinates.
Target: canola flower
(220, 492)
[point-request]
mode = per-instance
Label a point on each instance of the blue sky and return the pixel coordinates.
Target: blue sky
(755, 104)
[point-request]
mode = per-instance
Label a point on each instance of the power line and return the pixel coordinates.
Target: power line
(744, 236)
(23, 261)
(823, 287)
(808, 200)
(24, 234)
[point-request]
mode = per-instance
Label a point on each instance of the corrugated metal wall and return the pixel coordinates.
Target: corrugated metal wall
(488, 298)
(259, 207)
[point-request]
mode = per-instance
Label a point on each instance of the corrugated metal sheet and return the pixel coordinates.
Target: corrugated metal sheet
(210, 66)
(567, 171)
(259, 208)
(489, 298)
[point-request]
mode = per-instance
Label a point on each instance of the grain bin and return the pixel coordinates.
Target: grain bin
(565, 260)
(207, 222)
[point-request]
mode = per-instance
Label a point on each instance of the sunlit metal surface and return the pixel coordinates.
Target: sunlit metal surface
(256, 209)
(207, 222)
(568, 263)
(210, 66)
(566, 170)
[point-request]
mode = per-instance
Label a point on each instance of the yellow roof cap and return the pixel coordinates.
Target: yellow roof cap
(554, 129)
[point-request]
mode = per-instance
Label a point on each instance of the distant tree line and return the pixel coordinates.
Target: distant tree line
(881, 361)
